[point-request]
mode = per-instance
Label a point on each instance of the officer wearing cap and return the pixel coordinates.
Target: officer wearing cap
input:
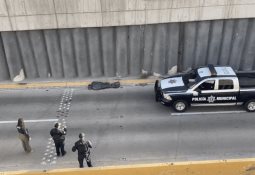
(83, 148)
(58, 136)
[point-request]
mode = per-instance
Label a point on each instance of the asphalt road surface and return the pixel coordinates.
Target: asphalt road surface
(125, 126)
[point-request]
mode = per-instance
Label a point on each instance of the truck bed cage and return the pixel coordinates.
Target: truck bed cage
(212, 70)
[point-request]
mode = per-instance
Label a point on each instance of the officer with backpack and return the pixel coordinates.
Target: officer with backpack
(83, 148)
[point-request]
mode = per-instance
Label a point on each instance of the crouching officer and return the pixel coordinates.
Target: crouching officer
(58, 136)
(83, 148)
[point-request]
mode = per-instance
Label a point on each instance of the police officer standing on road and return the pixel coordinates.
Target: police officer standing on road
(24, 135)
(58, 136)
(83, 148)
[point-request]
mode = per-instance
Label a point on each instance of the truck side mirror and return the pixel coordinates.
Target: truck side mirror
(196, 92)
(199, 91)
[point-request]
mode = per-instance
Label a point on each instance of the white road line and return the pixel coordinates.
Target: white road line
(29, 121)
(216, 112)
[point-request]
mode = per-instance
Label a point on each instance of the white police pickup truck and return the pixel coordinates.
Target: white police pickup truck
(207, 86)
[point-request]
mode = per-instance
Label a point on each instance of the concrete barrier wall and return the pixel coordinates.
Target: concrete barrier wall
(156, 49)
(52, 14)
(227, 167)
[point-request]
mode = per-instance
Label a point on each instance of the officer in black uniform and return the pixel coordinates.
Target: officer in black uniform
(83, 148)
(58, 136)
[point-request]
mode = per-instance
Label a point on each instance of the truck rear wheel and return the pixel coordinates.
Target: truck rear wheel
(180, 105)
(250, 106)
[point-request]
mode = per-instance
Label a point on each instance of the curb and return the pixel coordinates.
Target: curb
(210, 167)
(24, 85)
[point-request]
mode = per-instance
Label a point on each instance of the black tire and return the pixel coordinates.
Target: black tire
(250, 105)
(180, 106)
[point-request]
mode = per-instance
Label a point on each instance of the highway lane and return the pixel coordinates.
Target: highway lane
(125, 126)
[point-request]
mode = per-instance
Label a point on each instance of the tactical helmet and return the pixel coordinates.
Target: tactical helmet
(81, 135)
(56, 125)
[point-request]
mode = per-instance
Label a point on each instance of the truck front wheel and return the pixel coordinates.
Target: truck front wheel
(180, 105)
(250, 106)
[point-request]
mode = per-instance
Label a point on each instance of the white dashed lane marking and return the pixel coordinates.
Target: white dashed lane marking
(29, 121)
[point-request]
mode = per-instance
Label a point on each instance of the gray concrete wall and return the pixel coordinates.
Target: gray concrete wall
(155, 49)
(56, 14)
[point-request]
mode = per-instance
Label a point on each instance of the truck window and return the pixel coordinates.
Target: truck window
(207, 85)
(226, 84)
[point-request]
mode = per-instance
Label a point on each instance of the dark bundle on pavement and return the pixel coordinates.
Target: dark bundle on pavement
(96, 85)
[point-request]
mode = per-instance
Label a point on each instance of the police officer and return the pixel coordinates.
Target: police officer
(24, 135)
(83, 148)
(58, 136)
